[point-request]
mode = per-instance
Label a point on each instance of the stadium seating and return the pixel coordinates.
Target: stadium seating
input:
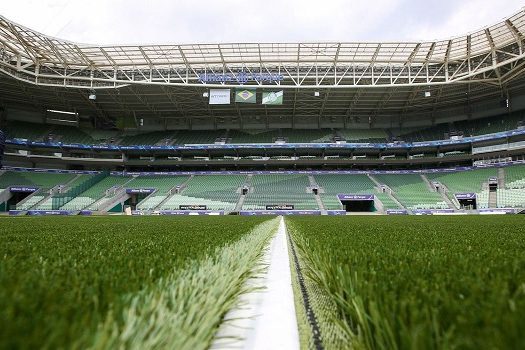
(104, 136)
(69, 134)
(29, 178)
(215, 191)
(29, 131)
(491, 124)
(49, 203)
(45, 132)
(30, 202)
(511, 198)
(162, 184)
(470, 181)
(349, 184)
(412, 192)
(515, 176)
(151, 138)
(363, 135)
(222, 192)
(253, 136)
(482, 199)
(436, 132)
(186, 137)
(388, 203)
(464, 181)
(280, 189)
(307, 136)
(94, 193)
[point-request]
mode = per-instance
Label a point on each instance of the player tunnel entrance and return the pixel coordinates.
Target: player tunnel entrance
(17, 195)
(357, 203)
(136, 195)
(466, 200)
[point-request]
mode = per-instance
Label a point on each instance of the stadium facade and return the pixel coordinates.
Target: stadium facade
(298, 109)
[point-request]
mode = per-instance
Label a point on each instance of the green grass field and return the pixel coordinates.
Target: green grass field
(416, 282)
(62, 279)
(166, 282)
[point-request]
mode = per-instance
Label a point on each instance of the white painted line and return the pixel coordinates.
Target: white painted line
(265, 319)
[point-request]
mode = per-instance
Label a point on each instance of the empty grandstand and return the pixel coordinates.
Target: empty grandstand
(280, 190)
(401, 122)
(491, 187)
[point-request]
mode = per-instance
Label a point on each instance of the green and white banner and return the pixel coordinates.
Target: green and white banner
(272, 98)
(245, 96)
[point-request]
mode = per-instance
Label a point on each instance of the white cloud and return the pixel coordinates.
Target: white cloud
(178, 21)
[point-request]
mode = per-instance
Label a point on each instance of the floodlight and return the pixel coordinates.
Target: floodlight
(427, 94)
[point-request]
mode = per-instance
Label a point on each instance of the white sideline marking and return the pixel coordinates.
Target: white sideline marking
(264, 319)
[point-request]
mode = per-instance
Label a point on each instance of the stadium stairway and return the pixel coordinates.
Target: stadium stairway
(493, 199)
(32, 203)
(388, 192)
(320, 203)
(36, 198)
(379, 205)
(171, 193)
(429, 185)
(501, 178)
(109, 201)
(446, 199)
(248, 184)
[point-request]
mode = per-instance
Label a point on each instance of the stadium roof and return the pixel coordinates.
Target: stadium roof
(149, 78)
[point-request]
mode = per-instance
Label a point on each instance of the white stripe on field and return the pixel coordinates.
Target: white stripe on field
(265, 319)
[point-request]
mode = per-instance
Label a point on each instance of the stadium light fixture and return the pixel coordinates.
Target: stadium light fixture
(61, 112)
(427, 94)
(205, 94)
(316, 94)
(92, 97)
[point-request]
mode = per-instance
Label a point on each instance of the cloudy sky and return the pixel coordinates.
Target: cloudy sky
(212, 21)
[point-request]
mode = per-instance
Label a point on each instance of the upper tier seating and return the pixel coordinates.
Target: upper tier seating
(491, 124)
(47, 132)
(436, 132)
(186, 137)
(150, 138)
(69, 134)
(363, 135)
(253, 136)
(72, 134)
(29, 131)
(307, 136)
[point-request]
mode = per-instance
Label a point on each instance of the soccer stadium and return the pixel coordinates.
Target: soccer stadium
(316, 195)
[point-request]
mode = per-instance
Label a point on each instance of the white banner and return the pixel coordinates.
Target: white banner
(219, 96)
